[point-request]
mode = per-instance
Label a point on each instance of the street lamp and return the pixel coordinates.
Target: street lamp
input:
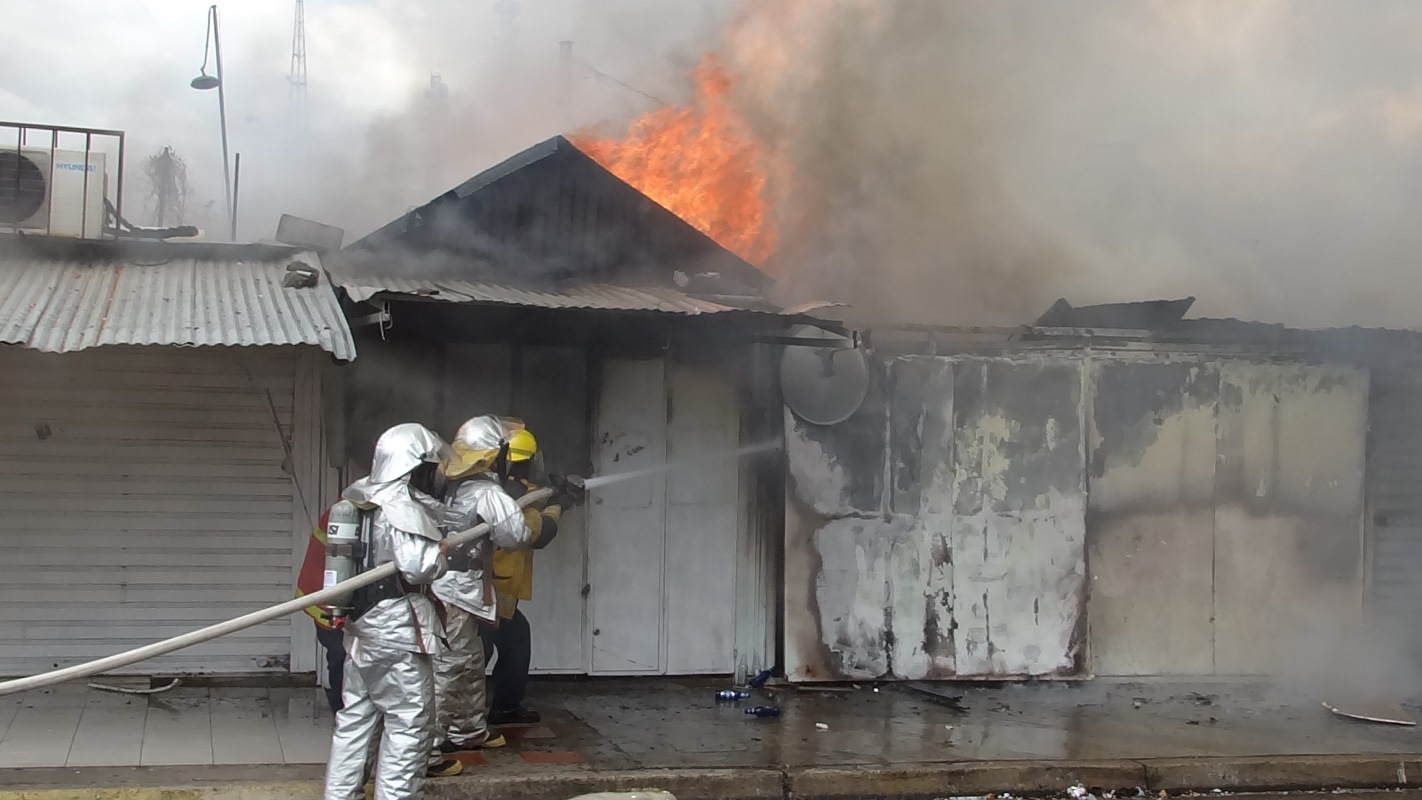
(204, 82)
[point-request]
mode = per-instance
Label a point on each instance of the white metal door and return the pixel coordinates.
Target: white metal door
(662, 549)
(627, 522)
(703, 512)
(553, 386)
(143, 495)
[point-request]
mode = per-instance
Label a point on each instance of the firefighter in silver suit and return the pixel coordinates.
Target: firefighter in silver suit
(394, 631)
(474, 494)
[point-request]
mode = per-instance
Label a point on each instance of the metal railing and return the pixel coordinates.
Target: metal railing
(26, 189)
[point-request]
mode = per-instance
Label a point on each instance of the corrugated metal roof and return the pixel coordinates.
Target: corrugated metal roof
(63, 304)
(591, 296)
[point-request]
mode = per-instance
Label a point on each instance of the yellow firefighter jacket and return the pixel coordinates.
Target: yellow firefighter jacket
(513, 569)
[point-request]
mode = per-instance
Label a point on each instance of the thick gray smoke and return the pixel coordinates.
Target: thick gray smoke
(956, 162)
(966, 162)
(503, 85)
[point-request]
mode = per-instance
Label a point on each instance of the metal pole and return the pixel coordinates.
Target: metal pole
(84, 209)
(222, 115)
(236, 187)
(118, 197)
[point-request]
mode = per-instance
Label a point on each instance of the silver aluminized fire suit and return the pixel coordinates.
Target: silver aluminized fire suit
(389, 670)
(468, 596)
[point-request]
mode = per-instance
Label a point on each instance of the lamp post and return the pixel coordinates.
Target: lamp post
(204, 82)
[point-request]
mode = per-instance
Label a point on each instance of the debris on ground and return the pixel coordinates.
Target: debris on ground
(927, 692)
(956, 703)
(822, 726)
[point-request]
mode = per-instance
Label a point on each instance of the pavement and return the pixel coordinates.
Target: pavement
(1137, 738)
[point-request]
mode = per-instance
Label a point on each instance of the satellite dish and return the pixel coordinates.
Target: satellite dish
(823, 385)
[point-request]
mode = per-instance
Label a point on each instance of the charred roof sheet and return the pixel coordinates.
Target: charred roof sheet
(1143, 315)
(593, 296)
(552, 212)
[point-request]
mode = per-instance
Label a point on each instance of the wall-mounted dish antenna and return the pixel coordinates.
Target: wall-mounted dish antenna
(823, 385)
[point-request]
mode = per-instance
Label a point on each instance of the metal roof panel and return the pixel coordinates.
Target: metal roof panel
(583, 295)
(61, 305)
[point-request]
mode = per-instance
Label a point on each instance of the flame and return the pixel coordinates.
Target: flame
(700, 162)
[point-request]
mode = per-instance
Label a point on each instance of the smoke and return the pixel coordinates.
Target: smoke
(971, 162)
(957, 162)
(371, 145)
(502, 80)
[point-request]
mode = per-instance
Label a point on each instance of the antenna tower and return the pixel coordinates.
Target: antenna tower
(297, 76)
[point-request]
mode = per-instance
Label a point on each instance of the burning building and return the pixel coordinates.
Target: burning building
(549, 289)
(1112, 491)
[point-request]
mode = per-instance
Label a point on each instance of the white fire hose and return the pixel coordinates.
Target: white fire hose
(240, 623)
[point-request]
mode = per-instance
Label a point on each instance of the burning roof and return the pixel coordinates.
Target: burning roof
(550, 214)
(700, 161)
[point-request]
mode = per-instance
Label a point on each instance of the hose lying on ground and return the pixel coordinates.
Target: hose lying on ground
(119, 660)
(104, 687)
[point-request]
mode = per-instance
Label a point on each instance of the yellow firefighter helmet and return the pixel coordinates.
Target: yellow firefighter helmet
(522, 446)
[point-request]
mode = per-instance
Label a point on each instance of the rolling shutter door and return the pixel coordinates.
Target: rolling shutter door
(1395, 502)
(142, 495)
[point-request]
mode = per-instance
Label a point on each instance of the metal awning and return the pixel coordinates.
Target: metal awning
(60, 297)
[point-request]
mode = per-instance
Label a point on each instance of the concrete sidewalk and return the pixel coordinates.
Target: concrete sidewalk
(896, 742)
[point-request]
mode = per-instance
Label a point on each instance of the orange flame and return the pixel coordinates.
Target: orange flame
(699, 162)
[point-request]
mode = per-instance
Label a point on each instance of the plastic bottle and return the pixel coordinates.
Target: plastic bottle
(731, 694)
(763, 711)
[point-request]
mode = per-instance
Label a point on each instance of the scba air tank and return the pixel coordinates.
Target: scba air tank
(345, 553)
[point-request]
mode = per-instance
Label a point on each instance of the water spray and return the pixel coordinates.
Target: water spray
(671, 466)
(327, 595)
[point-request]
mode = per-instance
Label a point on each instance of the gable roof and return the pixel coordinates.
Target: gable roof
(553, 213)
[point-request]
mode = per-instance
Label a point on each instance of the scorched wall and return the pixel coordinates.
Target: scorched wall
(1062, 514)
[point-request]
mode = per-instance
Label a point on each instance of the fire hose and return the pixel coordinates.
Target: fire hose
(243, 622)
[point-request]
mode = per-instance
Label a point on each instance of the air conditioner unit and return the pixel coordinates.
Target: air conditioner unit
(45, 191)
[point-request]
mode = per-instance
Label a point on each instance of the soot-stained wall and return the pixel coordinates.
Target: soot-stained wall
(1226, 515)
(938, 533)
(1063, 514)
